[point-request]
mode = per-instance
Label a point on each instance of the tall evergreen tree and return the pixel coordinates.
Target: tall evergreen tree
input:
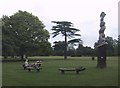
(66, 29)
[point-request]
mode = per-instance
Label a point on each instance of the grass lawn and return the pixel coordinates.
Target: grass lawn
(14, 75)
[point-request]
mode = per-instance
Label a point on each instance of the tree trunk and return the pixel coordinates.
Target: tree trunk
(65, 51)
(22, 57)
(101, 61)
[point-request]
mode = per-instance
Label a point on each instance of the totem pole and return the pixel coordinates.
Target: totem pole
(101, 44)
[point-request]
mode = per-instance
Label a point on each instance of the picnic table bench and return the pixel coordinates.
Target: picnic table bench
(33, 68)
(72, 69)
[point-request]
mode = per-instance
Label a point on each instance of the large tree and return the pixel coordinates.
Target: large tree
(58, 48)
(66, 29)
(112, 46)
(26, 32)
(8, 45)
(85, 51)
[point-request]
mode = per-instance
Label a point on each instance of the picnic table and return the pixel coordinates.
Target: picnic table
(33, 66)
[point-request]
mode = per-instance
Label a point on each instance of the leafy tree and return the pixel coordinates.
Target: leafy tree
(85, 51)
(66, 29)
(80, 50)
(58, 48)
(8, 46)
(115, 45)
(26, 32)
(71, 49)
(110, 46)
(44, 49)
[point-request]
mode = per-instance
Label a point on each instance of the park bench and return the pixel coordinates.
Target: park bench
(78, 69)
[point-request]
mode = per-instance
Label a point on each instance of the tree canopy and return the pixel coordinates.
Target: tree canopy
(24, 34)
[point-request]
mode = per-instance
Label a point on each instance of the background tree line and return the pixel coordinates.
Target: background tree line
(23, 34)
(71, 50)
(113, 48)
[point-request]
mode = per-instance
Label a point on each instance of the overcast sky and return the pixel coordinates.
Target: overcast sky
(84, 14)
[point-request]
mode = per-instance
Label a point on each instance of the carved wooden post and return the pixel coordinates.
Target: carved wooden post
(101, 44)
(101, 61)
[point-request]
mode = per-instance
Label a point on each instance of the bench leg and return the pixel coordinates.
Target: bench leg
(29, 69)
(77, 72)
(62, 72)
(38, 70)
(24, 68)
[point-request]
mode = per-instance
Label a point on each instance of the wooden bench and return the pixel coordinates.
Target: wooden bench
(72, 69)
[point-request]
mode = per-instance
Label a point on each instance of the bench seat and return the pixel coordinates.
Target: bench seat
(33, 68)
(71, 69)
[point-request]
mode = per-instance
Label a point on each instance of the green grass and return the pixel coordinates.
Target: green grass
(14, 75)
